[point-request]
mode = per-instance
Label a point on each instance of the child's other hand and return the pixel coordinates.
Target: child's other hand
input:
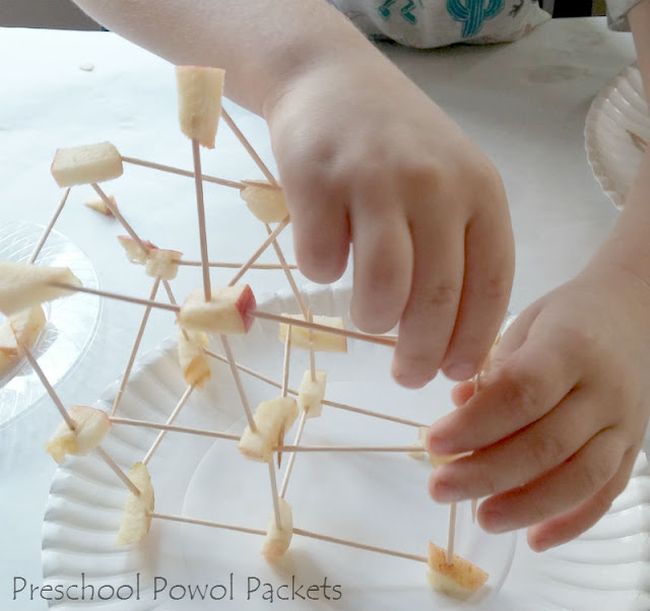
(366, 157)
(560, 418)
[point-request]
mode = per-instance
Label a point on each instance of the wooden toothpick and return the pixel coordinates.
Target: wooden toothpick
(284, 390)
(274, 494)
(117, 470)
(134, 350)
(200, 208)
(118, 215)
(210, 524)
(451, 534)
(312, 352)
(177, 410)
(228, 265)
(388, 449)
(49, 226)
(173, 428)
(292, 455)
(238, 383)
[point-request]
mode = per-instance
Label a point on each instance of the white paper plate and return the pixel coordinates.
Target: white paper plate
(380, 500)
(617, 125)
(71, 322)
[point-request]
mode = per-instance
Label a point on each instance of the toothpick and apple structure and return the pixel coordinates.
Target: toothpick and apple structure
(195, 128)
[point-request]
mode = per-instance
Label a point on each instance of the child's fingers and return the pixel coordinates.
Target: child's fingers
(428, 319)
(570, 524)
(524, 456)
(532, 381)
(320, 231)
(489, 267)
(383, 264)
(565, 486)
(462, 393)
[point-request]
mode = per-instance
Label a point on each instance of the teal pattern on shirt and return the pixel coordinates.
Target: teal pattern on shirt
(473, 13)
(406, 10)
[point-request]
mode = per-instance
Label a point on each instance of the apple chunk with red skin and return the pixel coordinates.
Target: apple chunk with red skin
(228, 312)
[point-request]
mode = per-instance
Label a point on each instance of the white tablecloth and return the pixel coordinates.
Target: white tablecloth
(525, 103)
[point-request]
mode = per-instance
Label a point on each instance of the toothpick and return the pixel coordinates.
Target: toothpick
(373, 339)
(285, 364)
(118, 215)
(117, 470)
(249, 147)
(477, 387)
(210, 524)
(396, 449)
(238, 383)
(173, 428)
(258, 253)
(171, 170)
(177, 410)
(49, 388)
(274, 494)
(451, 534)
(49, 226)
(312, 353)
(292, 456)
(363, 546)
(292, 283)
(135, 348)
(335, 404)
(117, 296)
(200, 208)
(227, 265)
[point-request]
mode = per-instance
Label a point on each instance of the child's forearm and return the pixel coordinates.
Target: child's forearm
(262, 44)
(629, 244)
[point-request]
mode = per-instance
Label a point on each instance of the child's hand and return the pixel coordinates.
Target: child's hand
(560, 418)
(366, 157)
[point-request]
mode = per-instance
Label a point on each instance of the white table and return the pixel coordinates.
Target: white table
(525, 103)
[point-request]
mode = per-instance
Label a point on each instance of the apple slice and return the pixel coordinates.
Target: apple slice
(23, 285)
(199, 102)
(228, 312)
(458, 578)
(163, 263)
(192, 358)
(277, 540)
(99, 205)
(19, 331)
(92, 426)
(271, 418)
(136, 519)
(311, 393)
(266, 203)
(323, 341)
(134, 252)
(87, 164)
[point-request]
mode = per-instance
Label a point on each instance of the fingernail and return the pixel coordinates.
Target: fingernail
(460, 371)
(492, 521)
(445, 492)
(413, 380)
(438, 441)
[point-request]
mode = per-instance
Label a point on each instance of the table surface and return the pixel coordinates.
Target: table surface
(524, 103)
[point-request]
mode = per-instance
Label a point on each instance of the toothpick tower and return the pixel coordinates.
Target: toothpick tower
(210, 310)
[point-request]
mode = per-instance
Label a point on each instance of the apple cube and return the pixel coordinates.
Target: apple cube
(311, 393)
(266, 203)
(81, 165)
(199, 102)
(21, 330)
(458, 578)
(277, 540)
(228, 312)
(134, 252)
(23, 285)
(423, 431)
(271, 418)
(192, 358)
(136, 519)
(92, 426)
(302, 337)
(162, 263)
(99, 205)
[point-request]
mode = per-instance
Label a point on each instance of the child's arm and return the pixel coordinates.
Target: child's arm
(562, 415)
(364, 157)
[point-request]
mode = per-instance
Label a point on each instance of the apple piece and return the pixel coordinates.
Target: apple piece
(86, 164)
(163, 263)
(423, 431)
(266, 203)
(134, 252)
(136, 519)
(458, 578)
(8, 347)
(228, 312)
(277, 540)
(301, 337)
(312, 392)
(192, 358)
(92, 425)
(19, 331)
(271, 418)
(24, 285)
(199, 102)
(99, 205)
